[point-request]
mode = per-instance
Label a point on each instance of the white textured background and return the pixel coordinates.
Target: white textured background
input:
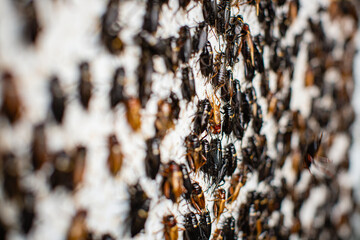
(70, 35)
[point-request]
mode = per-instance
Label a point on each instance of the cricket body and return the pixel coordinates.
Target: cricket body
(198, 198)
(311, 153)
(115, 158)
(170, 228)
(219, 203)
(172, 185)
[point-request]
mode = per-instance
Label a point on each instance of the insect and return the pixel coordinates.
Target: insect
(205, 224)
(164, 118)
(237, 182)
(151, 18)
(276, 56)
(78, 229)
(297, 40)
(115, 157)
(219, 203)
(170, 227)
(259, 61)
(200, 38)
(257, 118)
(63, 168)
(197, 197)
(28, 214)
(145, 71)
(220, 73)
(172, 185)
(223, 16)
(228, 119)
(11, 102)
(253, 218)
(239, 127)
(11, 175)
(218, 234)
(284, 24)
(215, 160)
(206, 154)
(175, 107)
(243, 220)
(188, 84)
(232, 45)
(311, 155)
(39, 147)
(78, 159)
(85, 85)
(222, 166)
(192, 228)
(117, 94)
(215, 117)
(227, 87)
(139, 208)
(229, 228)
(58, 99)
(209, 9)
(193, 152)
(266, 169)
(294, 6)
(211, 166)
(202, 116)
(247, 42)
(68, 169)
(184, 44)
(153, 157)
(206, 60)
(245, 111)
(111, 28)
(186, 181)
(230, 157)
(133, 107)
(249, 63)
(31, 27)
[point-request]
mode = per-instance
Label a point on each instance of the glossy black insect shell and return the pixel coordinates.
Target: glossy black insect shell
(31, 25)
(145, 71)
(206, 60)
(230, 158)
(186, 181)
(205, 224)
(152, 159)
(28, 212)
(10, 172)
(210, 12)
(151, 18)
(227, 124)
(58, 100)
(85, 85)
(117, 93)
(200, 37)
(229, 229)
(175, 107)
(188, 84)
(184, 43)
(139, 207)
(227, 87)
(206, 154)
(201, 119)
(61, 177)
(192, 229)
